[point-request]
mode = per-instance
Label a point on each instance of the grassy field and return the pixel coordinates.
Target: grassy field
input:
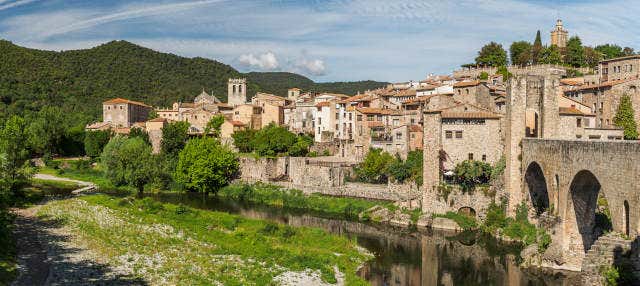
(173, 244)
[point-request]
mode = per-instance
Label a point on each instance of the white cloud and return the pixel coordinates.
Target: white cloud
(314, 67)
(5, 6)
(266, 61)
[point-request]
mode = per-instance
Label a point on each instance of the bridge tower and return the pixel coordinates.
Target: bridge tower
(532, 111)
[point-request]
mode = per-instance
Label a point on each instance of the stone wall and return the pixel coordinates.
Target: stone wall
(325, 177)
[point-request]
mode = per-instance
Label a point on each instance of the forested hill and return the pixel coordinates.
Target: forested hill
(278, 83)
(80, 80)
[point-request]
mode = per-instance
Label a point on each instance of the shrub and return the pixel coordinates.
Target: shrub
(465, 222)
(470, 173)
(94, 142)
(242, 140)
(205, 165)
(610, 275)
(374, 167)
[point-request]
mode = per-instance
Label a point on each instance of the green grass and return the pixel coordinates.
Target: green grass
(94, 175)
(174, 244)
(465, 222)
(276, 196)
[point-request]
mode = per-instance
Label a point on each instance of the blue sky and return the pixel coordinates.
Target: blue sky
(333, 40)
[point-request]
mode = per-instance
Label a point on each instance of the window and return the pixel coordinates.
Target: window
(239, 88)
(458, 134)
(413, 136)
(350, 116)
(337, 115)
(234, 89)
(319, 120)
(467, 90)
(318, 130)
(448, 134)
(396, 122)
(413, 121)
(484, 158)
(359, 117)
(470, 156)
(607, 122)
(337, 126)
(578, 122)
(120, 107)
(399, 136)
(108, 107)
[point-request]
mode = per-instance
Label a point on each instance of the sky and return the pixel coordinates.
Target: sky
(331, 40)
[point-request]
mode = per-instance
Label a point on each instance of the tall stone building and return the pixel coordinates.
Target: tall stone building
(559, 35)
(237, 91)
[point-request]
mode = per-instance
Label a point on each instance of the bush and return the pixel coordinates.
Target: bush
(80, 165)
(471, 173)
(205, 165)
(374, 167)
(94, 142)
(465, 222)
(242, 140)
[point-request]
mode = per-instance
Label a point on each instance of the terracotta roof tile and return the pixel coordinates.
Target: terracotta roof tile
(466, 83)
(470, 115)
(122, 100)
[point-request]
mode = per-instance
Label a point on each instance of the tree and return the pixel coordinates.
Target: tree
(137, 132)
(273, 140)
(214, 125)
(550, 55)
(174, 138)
(492, 55)
(625, 118)
(129, 161)
(47, 130)
(575, 52)
(470, 173)
(520, 53)
(242, 140)
(536, 49)
(592, 57)
(205, 165)
(506, 75)
(14, 155)
(609, 51)
(483, 76)
(374, 167)
(301, 147)
(94, 142)
(399, 170)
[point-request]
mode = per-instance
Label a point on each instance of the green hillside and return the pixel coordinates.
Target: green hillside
(80, 80)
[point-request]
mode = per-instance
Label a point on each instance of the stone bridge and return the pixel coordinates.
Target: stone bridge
(567, 178)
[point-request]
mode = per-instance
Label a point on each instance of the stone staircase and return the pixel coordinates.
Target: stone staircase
(608, 250)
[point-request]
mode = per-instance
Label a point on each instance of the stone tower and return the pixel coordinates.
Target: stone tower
(432, 142)
(532, 111)
(559, 35)
(237, 91)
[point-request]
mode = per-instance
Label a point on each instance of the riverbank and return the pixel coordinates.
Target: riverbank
(168, 243)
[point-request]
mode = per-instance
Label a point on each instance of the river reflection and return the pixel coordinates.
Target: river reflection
(404, 258)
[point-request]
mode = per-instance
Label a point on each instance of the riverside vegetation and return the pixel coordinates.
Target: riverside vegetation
(171, 244)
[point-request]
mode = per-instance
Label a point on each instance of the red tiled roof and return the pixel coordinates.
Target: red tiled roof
(470, 115)
(604, 84)
(236, 123)
(371, 110)
(126, 101)
(159, 119)
(324, 103)
(466, 83)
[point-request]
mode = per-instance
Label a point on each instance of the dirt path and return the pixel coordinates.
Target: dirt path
(49, 253)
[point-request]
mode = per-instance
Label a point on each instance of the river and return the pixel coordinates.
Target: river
(402, 257)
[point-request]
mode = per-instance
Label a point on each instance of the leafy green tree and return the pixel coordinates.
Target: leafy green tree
(399, 170)
(575, 53)
(94, 142)
(136, 132)
(174, 138)
(129, 161)
(550, 55)
(492, 55)
(536, 49)
(374, 167)
(609, 51)
(242, 140)
(506, 75)
(214, 125)
(625, 118)
(47, 130)
(470, 173)
(483, 76)
(14, 155)
(205, 165)
(300, 148)
(591, 57)
(520, 53)
(415, 163)
(273, 140)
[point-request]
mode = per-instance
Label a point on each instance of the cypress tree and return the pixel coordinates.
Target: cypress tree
(625, 118)
(536, 49)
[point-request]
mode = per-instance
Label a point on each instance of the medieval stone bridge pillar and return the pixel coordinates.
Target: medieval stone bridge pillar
(567, 177)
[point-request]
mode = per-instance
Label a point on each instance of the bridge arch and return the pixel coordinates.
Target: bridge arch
(583, 203)
(468, 211)
(536, 187)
